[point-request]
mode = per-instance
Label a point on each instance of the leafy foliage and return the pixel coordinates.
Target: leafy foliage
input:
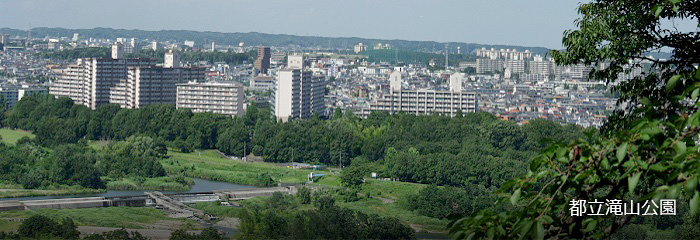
(282, 220)
(649, 150)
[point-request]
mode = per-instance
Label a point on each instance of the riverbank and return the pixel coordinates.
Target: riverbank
(166, 183)
(387, 198)
(112, 217)
(13, 190)
(208, 164)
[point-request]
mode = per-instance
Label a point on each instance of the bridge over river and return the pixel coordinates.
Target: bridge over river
(176, 203)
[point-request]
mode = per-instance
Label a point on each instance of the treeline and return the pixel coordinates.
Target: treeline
(281, 217)
(34, 166)
(43, 227)
(87, 52)
(476, 148)
(186, 56)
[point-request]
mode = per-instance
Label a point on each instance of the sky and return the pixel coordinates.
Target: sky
(535, 23)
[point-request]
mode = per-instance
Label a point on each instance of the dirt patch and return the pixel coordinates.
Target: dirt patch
(386, 200)
(229, 223)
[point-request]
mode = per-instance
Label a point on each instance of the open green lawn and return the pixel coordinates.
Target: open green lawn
(10, 136)
(389, 198)
(120, 217)
(208, 164)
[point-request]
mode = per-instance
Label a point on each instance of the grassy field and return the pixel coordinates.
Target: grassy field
(389, 198)
(10, 136)
(12, 190)
(167, 183)
(208, 164)
(120, 217)
(386, 198)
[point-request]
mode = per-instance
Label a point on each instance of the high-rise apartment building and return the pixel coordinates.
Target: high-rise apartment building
(485, 65)
(131, 83)
(117, 50)
(172, 59)
(215, 97)
(540, 66)
(516, 66)
(298, 93)
(423, 102)
(262, 63)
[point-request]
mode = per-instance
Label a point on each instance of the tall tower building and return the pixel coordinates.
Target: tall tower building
(262, 63)
(456, 82)
(117, 51)
(213, 46)
(298, 93)
(172, 59)
(395, 81)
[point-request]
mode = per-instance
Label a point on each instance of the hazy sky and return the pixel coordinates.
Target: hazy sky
(518, 22)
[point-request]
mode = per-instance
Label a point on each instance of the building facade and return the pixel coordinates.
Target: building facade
(298, 93)
(425, 102)
(130, 83)
(214, 97)
(262, 63)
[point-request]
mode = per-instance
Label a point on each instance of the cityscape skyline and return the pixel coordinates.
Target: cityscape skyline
(480, 22)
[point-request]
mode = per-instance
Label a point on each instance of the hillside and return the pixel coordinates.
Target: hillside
(255, 38)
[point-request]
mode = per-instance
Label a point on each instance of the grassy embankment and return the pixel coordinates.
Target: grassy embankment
(11, 190)
(10, 136)
(166, 183)
(386, 198)
(119, 217)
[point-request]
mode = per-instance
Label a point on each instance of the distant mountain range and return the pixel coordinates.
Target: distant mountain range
(203, 39)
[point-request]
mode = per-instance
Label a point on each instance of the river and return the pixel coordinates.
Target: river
(200, 185)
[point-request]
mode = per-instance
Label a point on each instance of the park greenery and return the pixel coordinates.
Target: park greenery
(647, 151)
(281, 216)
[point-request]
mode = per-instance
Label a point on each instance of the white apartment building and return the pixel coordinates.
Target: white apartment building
(515, 66)
(214, 97)
(262, 83)
(131, 83)
(540, 66)
(503, 54)
(484, 65)
(11, 94)
(425, 102)
(298, 93)
(153, 85)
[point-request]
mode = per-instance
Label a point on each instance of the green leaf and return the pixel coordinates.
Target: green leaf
(657, 10)
(694, 203)
(591, 225)
(633, 180)
(659, 167)
(621, 152)
(547, 219)
(672, 82)
(680, 147)
(691, 184)
(526, 226)
(695, 94)
(540, 231)
(605, 164)
(515, 197)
